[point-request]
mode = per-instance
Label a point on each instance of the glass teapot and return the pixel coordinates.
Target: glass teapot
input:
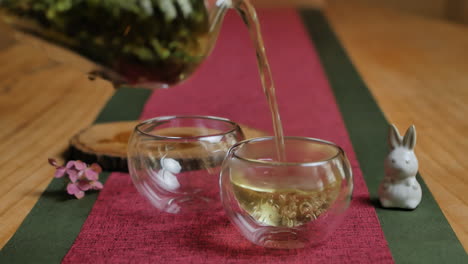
(144, 43)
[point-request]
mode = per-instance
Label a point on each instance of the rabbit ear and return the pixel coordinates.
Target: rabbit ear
(409, 140)
(394, 138)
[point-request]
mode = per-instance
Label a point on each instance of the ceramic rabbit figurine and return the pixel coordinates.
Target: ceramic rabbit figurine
(399, 188)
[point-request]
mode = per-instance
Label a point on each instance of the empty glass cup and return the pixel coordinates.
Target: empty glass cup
(290, 203)
(174, 161)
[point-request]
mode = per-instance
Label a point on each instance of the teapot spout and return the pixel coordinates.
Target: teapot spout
(217, 9)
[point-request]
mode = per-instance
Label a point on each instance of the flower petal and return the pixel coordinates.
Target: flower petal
(79, 165)
(70, 164)
(95, 167)
(91, 175)
(97, 185)
(60, 172)
(73, 175)
(72, 188)
(79, 194)
(84, 185)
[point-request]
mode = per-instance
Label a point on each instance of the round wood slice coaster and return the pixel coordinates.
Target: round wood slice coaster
(106, 144)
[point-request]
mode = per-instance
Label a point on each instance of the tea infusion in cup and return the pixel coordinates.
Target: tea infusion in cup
(290, 203)
(175, 161)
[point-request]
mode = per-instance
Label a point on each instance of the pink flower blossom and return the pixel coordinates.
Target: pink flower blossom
(79, 165)
(90, 174)
(81, 176)
(74, 189)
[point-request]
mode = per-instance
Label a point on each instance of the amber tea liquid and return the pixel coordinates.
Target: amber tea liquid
(249, 16)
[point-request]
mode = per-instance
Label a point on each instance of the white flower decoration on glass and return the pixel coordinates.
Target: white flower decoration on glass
(399, 187)
(167, 178)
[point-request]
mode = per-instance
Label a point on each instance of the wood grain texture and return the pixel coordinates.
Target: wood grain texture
(428, 8)
(289, 3)
(42, 104)
(417, 69)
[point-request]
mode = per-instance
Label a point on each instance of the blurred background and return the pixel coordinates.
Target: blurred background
(451, 10)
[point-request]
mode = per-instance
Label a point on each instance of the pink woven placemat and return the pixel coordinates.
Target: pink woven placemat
(123, 227)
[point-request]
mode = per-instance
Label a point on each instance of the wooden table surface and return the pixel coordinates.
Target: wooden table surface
(416, 68)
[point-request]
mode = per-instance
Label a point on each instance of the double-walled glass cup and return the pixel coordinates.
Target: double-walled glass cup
(174, 161)
(290, 203)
